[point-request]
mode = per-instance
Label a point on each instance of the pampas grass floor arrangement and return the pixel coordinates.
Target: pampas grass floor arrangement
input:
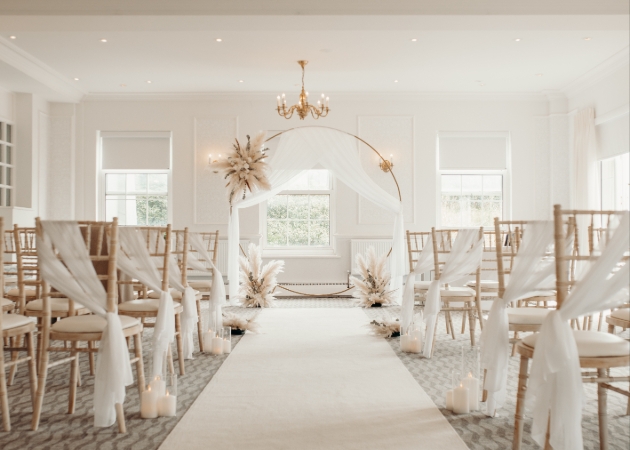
(385, 327)
(372, 289)
(240, 323)
(257, 282)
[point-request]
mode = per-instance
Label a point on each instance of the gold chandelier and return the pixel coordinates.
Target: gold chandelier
(303, 108)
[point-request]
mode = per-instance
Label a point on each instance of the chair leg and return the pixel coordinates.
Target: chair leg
(74, 369)
(602, 400)
(479, 313)
(120, 418)
(32, 365)
(15, 342)
(4, 396)
(199, 326)
(450, 324)
(137, 347)
(471, 319)
(520, 403)
(41, 385)
(446, 321)
(91, 357)
(611, 328)
(180, 343)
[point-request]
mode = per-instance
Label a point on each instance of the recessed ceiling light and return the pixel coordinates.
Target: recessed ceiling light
(518, 39)
(414, 40)
(76, 79)
(539, 74)
(219, 40)
(587, 38)
(12, 37)
(395, 81)
(149, 81)
(103, 40)
(240, 81)
(123, 85)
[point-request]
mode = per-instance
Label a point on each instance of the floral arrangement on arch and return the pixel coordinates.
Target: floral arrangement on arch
(245, 168)
(257, 282)
(371, 290)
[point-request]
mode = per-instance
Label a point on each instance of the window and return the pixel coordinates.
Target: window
(7, 164)
(615, 182)
(471, 200)
(300, 215)
(137, 198)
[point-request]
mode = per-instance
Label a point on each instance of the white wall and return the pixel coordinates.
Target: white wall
(207, 125)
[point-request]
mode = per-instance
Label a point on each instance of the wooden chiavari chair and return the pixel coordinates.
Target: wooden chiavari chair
(145, 308)
(15, 328)
(416, 240)
(211, 242)
(9, 269)
(488, 289)
(598, 351)
(101, 240)
(469, 298)
(26, 289)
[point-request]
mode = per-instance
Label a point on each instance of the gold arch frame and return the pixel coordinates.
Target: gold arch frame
(391, 171)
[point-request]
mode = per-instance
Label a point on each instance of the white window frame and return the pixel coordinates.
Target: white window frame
(102, 191)
(506, 173)
(3, 165)
(601, 180)
(329, 251)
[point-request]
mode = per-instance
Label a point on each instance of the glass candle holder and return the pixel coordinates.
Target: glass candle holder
(167, 403)
(411, 339)
(207, 341)
(217, 342)
(227, 339)
(470, 375)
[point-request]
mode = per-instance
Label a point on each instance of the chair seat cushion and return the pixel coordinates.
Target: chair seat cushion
(15, 292)
(527, 316)
(484, 284)
(592, 344)
(177, 296)
(10, 321)
(149, 305)
(200, 284)
(56, 304)
(89, 324)
(422, 285)
(623, 314)
(457, 292)
(6, 302)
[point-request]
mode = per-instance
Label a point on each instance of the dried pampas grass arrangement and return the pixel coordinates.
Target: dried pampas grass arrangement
(372, 289)
(385, 327)
(240, 323)
(245, 168)
(257, 282)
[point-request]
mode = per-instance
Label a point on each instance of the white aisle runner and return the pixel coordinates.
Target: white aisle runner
(313, 379)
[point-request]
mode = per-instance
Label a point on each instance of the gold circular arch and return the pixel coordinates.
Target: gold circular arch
(391, 171)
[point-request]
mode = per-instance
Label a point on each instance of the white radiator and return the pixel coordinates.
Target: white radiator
(360, 246)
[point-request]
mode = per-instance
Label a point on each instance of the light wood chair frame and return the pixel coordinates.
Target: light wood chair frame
(597, 368)
(211, 239)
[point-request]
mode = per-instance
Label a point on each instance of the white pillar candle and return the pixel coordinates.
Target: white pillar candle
(148, 404)
(449, 399)
(460, 400)
(227, 346)
(217, 346)
(473, 391)
(158, 385)
(417, 336)
(167, 405)
(404, 343)
(207, 341)
(416, 345)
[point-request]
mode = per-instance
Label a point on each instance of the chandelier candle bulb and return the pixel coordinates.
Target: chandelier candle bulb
(148, 404)
(461, 403)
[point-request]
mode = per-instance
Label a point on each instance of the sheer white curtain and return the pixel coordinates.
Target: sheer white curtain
(75, 277)
(135, 261)
(424, 263)
(217, 289)
(464, 258)
(530, 273)
(555, 379)
(301, 149)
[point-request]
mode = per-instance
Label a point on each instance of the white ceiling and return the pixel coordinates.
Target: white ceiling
(346, 54)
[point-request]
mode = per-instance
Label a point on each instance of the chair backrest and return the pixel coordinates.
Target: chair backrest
(158, 240)
(443, 241)
(9, 266)
(416, 240)
(567, 261)
(211, 243)
(182, 247)
(24, 243)
(507, 236)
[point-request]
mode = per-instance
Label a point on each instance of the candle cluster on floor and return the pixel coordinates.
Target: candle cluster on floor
(218, 342)
(463, 397)
(411, 340)
(159, 399)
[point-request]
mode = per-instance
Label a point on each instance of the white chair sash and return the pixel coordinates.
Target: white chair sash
(134, 260)
(464, 258)
(424, 263)
(76, 278)
(555, 380)
(530, 273)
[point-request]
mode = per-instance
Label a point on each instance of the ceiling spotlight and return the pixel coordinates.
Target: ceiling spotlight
(240, 81)
(395, 81)
(414, 40)
(103, 40)
(76, 79)
(587, 38)
(219, 40)
(518, 39)
(12, 37)
(149, 81)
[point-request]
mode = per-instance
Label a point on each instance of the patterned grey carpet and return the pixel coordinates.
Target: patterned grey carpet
(59, 430)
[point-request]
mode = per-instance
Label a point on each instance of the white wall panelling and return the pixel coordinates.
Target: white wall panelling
(214, 135)
(388, 135)
(60, 163)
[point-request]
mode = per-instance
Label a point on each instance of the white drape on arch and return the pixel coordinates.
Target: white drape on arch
(301, 149)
